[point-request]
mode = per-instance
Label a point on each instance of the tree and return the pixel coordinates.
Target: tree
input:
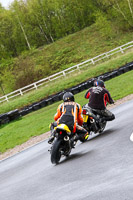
(19, 9)
(118, 10)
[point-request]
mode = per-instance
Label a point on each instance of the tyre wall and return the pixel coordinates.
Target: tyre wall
(15, 114)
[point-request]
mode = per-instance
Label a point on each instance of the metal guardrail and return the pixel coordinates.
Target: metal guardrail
(55, 76)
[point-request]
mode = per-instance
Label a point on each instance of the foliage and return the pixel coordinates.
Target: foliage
(41, 37)
(65, 83)
(120, 11)
(104, 25)
(38, 63)
(26, 21)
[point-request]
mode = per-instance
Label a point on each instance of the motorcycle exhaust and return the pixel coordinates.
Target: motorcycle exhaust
(92, 121)
(66, 138)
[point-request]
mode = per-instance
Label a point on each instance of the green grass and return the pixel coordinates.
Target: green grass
(37, 123)
(69, 81)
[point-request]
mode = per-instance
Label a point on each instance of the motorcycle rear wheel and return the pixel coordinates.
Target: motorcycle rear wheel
(56, 152)
(102, 127)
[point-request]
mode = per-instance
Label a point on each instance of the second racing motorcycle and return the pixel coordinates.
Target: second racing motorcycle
(92, 121)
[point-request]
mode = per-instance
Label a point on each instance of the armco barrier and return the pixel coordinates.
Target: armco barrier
(15, 114)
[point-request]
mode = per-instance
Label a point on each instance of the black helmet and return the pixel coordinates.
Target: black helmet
(99, 82)
(68, 96)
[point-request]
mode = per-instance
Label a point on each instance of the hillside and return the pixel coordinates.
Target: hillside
(69, 81)
(39, 63)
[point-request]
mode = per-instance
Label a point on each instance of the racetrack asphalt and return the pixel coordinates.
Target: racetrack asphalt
(99, 169)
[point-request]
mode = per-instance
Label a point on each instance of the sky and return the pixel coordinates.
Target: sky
(6, 3)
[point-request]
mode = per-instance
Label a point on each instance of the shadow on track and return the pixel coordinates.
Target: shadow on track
(105, 133)
(73, 156)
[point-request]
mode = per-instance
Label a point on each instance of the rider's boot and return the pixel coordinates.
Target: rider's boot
(83, 136)
(51, 138)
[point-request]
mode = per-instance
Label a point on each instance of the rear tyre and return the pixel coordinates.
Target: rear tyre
(56, 152)
(102, 127)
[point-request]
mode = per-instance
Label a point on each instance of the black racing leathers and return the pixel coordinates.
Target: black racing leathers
(98, 97)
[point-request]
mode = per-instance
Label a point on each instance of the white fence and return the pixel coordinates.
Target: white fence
(35, 85)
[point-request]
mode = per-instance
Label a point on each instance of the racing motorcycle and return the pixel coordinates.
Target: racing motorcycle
(63, 143)
(92, 121)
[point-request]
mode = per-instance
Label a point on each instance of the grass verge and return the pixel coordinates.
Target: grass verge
(37, 123)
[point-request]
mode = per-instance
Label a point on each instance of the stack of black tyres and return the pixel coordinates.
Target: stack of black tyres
(15, 114)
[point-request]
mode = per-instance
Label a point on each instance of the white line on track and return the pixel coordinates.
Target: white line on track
(131, 137)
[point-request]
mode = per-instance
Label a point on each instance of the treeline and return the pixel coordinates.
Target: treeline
(29, 24)
(31, 47)
(33, 23)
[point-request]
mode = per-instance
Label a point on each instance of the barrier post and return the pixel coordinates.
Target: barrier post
(6, 98)
(21, 92)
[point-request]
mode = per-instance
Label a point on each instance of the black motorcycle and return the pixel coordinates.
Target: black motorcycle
(92, 121)
(62, 144)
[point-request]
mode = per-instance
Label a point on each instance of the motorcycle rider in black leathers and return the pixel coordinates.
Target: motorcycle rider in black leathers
(98, 97)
